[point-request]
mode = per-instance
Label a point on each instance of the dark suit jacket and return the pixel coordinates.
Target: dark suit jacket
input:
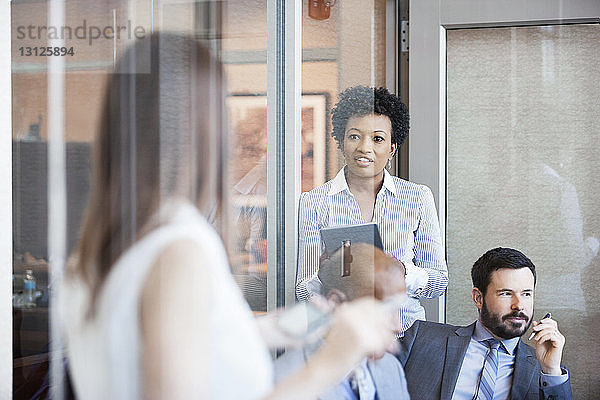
(432, 355)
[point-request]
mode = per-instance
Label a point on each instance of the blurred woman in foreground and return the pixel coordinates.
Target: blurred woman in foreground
(150, 308)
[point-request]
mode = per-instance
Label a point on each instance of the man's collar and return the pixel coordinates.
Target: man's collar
(339, 183)
(481, 333)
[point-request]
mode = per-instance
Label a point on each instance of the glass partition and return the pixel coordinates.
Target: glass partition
(343, 44)
(243, 42)
(343, 50)
(87, 57)
(522, 148)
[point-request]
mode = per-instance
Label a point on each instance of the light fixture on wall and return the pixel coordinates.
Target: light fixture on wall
(320, 9)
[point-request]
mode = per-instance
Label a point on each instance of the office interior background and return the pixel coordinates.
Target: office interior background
(505, 108)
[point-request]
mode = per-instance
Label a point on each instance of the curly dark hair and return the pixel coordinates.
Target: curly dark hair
(498, 258)
(358, 101)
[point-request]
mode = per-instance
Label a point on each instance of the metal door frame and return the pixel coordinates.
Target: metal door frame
(429, 20)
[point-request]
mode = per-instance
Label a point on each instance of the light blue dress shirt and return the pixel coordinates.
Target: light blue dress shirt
(367, 380)
(408, 224)
(473, 364)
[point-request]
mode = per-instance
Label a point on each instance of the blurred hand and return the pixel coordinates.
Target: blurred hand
(272, 334)
(389, 276)
(371, 273)
(358, 329)
(278, 334)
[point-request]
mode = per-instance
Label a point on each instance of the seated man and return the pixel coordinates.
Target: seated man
(487, 359)
(372, 273)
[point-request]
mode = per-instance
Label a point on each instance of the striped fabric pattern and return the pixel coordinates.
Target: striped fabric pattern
(489, 372)
(407, 220)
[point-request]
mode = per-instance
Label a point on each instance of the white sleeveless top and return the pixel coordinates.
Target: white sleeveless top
(105, 352)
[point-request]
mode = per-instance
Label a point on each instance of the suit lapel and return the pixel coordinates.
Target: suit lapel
(525, 365)
(381, 381)
(456, 347)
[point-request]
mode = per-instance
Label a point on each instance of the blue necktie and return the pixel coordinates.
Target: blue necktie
(490, 371)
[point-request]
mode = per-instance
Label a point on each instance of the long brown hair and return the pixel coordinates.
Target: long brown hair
(160, 137)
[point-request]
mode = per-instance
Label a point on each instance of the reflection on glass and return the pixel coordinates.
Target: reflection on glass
(237, 32)
(523, 162)
(86, 66)
(248, 123)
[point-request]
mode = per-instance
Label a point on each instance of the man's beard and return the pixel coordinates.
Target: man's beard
(500, 327)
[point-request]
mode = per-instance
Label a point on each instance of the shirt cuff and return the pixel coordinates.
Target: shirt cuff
(553, 380)
(416, 279)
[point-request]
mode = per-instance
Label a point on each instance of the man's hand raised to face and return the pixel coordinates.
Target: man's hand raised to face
(549, 343)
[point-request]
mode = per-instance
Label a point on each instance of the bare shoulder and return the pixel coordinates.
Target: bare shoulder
(180, 264)
(175, 307)
(181, 253)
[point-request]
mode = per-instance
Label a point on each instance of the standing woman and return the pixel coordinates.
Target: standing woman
(369, 126)
(149, 306)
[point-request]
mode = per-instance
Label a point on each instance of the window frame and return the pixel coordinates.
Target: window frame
(427, 79)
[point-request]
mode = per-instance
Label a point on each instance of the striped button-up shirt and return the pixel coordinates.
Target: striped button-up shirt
(407, 221)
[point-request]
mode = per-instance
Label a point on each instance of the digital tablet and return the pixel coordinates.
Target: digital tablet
(334, 237)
